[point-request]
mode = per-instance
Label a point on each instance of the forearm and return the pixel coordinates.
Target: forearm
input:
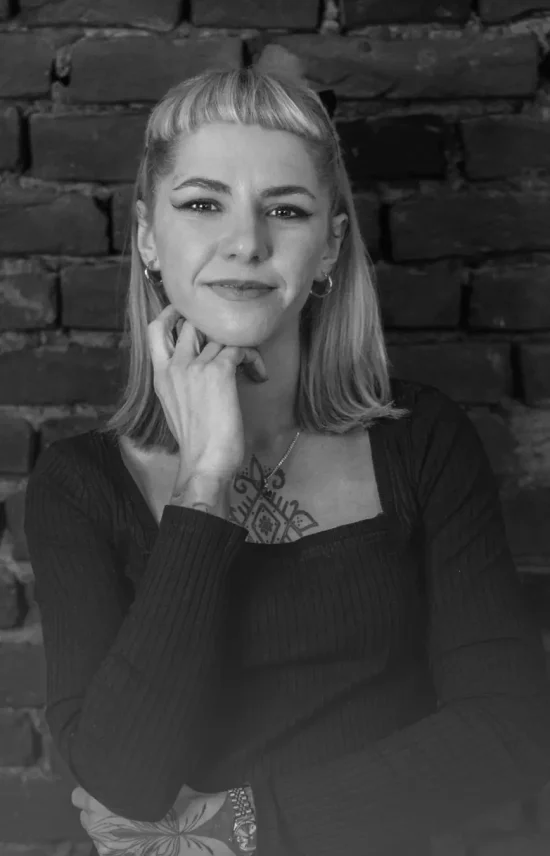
(215, 818)
(204, 493)
(204, 821)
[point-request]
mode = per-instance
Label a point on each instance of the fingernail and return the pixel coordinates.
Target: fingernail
(253, 372)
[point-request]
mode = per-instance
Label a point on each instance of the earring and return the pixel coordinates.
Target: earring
(148, 272)
(330, 284)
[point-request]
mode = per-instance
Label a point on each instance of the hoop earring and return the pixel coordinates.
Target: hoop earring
(330, 284)
(148, 276)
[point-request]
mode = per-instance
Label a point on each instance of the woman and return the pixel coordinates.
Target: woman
(278, 605)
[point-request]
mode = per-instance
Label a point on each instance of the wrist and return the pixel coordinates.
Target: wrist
(202, 492)
(244, 819)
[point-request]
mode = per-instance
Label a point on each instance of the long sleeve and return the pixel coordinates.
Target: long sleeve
(127, 687)
(489, 741)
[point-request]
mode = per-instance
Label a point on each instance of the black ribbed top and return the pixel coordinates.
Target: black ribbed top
(376, 683)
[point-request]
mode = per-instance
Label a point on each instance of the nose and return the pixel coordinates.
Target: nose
(246, 238)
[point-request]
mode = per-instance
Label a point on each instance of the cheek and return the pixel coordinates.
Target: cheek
(183, 252)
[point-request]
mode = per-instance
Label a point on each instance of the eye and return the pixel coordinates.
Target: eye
(196, 205)
(297, 213)
(189, 205)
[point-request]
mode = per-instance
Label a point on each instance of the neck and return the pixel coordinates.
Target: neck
(268, 408)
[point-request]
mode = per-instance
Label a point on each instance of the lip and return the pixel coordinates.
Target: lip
(241, 283)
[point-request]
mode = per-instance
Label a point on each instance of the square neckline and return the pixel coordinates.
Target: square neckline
(380, 523)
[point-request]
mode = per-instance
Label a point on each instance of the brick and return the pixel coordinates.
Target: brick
(60, 375)
(526, 513)
(543, 809)
(469, 223)
(447, 845)
(17, 441)
(28, 297)
(34, 808)
(93, 297)
(86, 148)
(361, 13)
(160, 15)
(10, 610)
(15, 520)
(393, 148)
(500, 146)
(256, 13)
(494, 11)
(507, 298)
(505, 818)
(470, 372)
(142, 68)
(530, 428)
(469, 67)
(40, 221)
(428, 297)
(121, 206)
(534, 360)
(26, 61)
(498, 441)
(10, 138)
(59, 768)
(517, 845)
(59, 429)
(537, 595)
(23, 676)
(367, 207)
(19, 742)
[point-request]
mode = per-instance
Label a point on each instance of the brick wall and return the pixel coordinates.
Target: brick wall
(444, 110)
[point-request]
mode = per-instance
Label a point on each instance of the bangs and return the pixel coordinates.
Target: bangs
(243, 96)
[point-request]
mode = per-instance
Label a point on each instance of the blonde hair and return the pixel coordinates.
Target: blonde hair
(343, 380)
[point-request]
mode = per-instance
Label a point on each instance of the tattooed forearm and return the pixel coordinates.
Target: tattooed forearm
(201, 824)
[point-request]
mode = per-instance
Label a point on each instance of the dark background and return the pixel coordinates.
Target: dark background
(444, 112)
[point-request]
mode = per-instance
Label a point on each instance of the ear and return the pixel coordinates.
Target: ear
(146, 238)
(334, 242)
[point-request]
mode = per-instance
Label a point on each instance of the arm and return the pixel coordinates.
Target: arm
(127, 684)
(203, 822)
(489, 741)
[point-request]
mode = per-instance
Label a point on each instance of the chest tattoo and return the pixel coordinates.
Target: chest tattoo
(269, 518)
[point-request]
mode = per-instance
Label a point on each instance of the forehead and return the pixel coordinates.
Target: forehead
(236, 151)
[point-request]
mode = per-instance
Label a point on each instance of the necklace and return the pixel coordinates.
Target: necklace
(266, 478)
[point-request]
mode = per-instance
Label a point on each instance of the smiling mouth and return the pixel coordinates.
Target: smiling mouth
(240, 285)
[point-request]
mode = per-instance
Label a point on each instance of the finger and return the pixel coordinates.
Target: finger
(190, 342)
(252, 364)
(158, 332)
(79, 798)
(84, 820)
(95, 807)
(195, 345)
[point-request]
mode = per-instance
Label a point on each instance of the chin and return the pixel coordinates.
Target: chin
(251, 336)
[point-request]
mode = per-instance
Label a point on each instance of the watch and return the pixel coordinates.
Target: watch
(244, 822)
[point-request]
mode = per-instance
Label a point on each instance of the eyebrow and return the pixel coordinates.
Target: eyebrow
(220, 187)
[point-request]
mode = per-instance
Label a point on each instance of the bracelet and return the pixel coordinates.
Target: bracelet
(244, 821)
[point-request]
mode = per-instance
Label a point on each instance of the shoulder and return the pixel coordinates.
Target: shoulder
(429, 408)
(446, 455)
(72, 467)
(436, 430)
(80, 450)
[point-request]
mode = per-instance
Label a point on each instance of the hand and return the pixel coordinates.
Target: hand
(197, 388)
(176, 833)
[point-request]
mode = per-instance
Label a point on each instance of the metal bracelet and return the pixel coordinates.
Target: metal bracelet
(244, 823)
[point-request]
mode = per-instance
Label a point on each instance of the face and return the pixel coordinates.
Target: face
(241, 203)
